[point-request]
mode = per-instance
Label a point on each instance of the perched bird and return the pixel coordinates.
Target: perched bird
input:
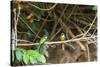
(62, 38)
(42, 48)
(42, 41)
(44, 38)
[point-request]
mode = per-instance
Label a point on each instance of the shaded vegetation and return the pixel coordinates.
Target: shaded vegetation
(33, 20)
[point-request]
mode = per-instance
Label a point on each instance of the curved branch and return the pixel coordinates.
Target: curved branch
(42, 8)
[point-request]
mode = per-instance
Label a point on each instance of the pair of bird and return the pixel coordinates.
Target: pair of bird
(45, 37)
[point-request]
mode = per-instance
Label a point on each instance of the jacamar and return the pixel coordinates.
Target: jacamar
(41, 48)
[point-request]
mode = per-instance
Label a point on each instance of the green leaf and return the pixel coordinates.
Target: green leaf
(33, 60)
(41, 58)
(33, 53)
(20, 49)
(33, 56)
(36, 57)
(26, 58)
(19, 55)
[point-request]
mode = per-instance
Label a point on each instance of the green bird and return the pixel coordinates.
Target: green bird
(41, 48)
(41, 42)
(43, 39)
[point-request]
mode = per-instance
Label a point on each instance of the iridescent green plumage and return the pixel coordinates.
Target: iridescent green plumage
(42, 47)
(42, 41)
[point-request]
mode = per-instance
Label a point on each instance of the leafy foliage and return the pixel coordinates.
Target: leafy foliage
(19, 54)
(71, 19)
(30, 57)
(26, 58)
(36, 57)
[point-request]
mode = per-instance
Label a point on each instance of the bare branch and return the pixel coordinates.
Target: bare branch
(42, 8)
(89, 27)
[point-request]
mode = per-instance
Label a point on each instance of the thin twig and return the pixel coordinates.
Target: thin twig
(80, 35)
(78, 14)
(89, 27)
(41, 27)
(55, 34)
(40, 18)
(42, 8)
(20, 32)
(29, 27)
(88, 53)
(15, 28)
(78, 42)
(59, 21)
(55, 25)
(83, 21)
(14, 34)
(19, 8)
(20, 40)
(77, 27)
(92, 42)
(93, 32)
